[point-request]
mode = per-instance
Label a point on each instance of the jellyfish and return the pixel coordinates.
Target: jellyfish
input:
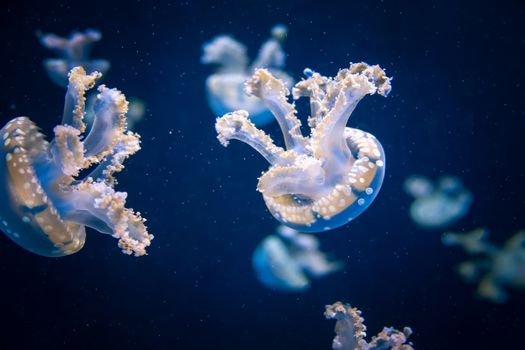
(225, 86)
(74, 52)
(325, 180)
(496, 268)
(47, 203)
(437, 205)
(351, 331)
(287, 261)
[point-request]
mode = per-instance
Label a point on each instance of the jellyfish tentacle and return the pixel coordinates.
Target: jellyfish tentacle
(236, 125)
(273, 93)
(75, 103)
(109, 123)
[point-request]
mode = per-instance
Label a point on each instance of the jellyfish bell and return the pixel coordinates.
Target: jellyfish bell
(323, 181)
(47, 204)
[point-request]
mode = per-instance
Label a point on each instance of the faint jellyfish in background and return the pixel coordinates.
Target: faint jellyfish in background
(437, 205)
(288, 260)
(351, 332)
(496, 268)
(74, 51)
(325, 180)
(225, 87)
(46, 201)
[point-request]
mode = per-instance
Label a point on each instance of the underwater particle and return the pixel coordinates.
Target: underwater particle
(495, 268)
(74, 51)
(437, 205)
(225, 86)
(325, 180)
(46, 204)
(351, 332)
(287, 261)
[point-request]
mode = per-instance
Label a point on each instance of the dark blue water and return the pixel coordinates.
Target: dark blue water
(457, 107)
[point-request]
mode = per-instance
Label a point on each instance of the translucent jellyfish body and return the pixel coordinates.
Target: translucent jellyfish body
(46, 205)
(496, 268)
(351, 331)
(325, 180)
(225, 86)
(286, 261)
(437, 205)
(74, 51)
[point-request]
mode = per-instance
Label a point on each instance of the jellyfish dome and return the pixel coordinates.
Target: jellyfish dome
(46, 203)
(74, 51)
(288, 260)
(437, 205)
(325, 180)
(225, 86)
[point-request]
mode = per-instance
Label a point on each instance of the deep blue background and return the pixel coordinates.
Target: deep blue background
(457, 107)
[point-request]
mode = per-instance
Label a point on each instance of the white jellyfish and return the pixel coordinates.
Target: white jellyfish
(288, 260)
(437, 205)
(226, 86)
(351, 332)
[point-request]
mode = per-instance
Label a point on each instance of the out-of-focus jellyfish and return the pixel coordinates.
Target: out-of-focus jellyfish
(495, 268)
(323, 181)
(74, 51)
(225, 86)
(351, 332)
(437, 205)
(287, 261)
(46, 203)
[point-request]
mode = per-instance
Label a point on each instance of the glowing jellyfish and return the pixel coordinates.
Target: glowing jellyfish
(287, 261)
(351, 331)
(495, 268)
(225, 86)
(437, 205)
(46, 205)
(323, 181)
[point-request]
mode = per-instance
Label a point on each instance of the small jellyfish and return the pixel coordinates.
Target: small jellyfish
(495, 268)
(74, 51)
(437, 205)
(225, 86)
(47, 203)
(325, 180)
(286, 261)
(351, 332)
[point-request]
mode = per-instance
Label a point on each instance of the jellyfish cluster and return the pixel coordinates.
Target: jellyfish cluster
(288, 260)
(437, 205)
(351, 332)
(320, 182)
(494, 267)
(225, 86)
(47, 204)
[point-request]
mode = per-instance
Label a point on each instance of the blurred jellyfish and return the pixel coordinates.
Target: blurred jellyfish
(325, 180)
(286, 262)
(500, 267)
(74, 51)
(46, 201)
(351, 331)
(225, 86)
(437, 205)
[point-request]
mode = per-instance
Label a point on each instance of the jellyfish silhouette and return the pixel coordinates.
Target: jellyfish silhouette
(288, 260)
(495, 268)
(323, 181)
(437, 205)
(225, 86)
(46, 203)
(74, 51)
